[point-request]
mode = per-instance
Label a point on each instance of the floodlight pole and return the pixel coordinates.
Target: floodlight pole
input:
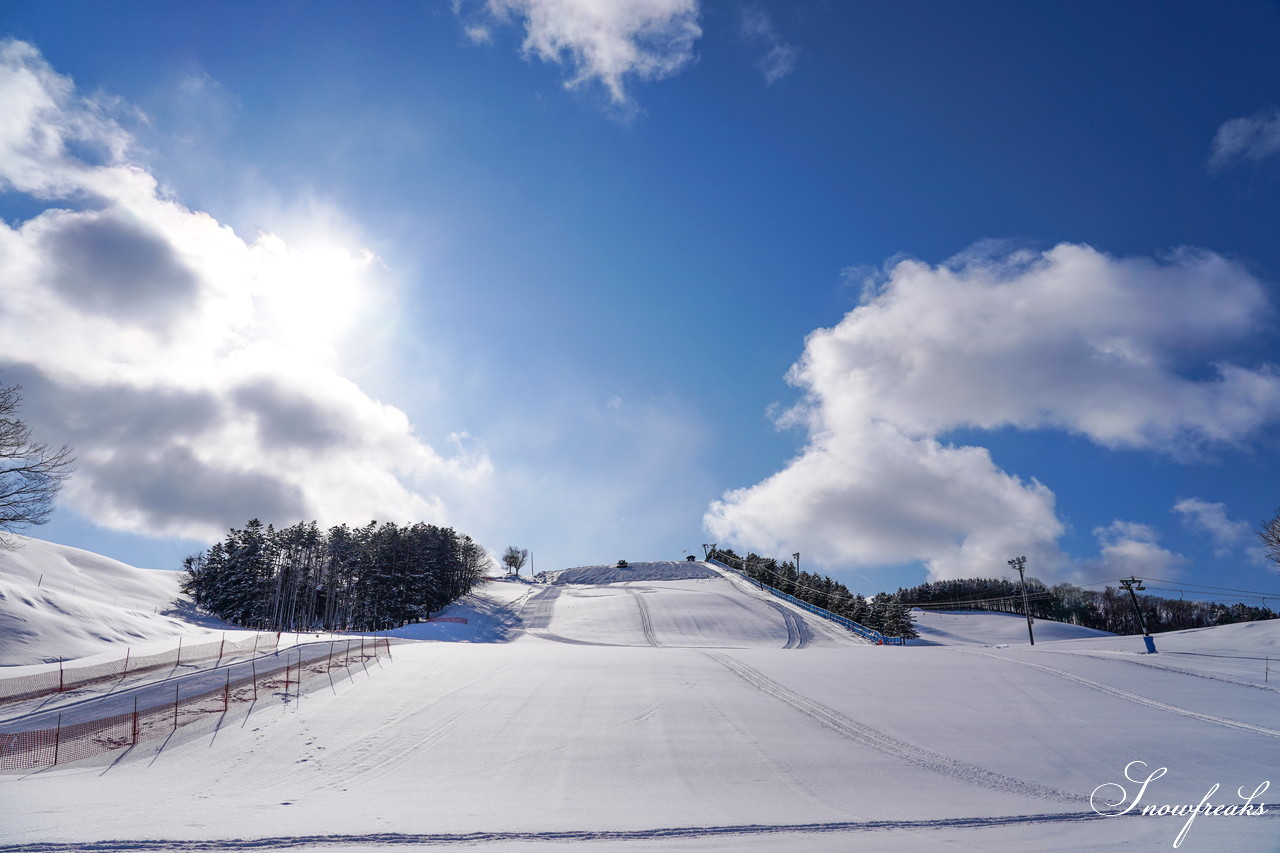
(1020, 564)
(707, 549)
(797, 556)
(1131, 583)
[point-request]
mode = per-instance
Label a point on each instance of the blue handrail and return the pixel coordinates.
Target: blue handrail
(861, 630)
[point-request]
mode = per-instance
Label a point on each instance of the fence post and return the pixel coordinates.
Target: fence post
(175, 707)
(255, 643)
(226, 692)
(126, 663)
(57, 739)
(221, 646)
(254, 664)
(60, 681)
(179, 663)
(135, 719)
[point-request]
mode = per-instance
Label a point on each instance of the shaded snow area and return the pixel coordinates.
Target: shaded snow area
(61, 602)
(667, 570)
(696, 714)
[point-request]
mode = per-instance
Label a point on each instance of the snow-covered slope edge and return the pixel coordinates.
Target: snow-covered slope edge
(983, 627)
(61, 602)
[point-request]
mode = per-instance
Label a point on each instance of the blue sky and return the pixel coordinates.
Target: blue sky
(910, 288)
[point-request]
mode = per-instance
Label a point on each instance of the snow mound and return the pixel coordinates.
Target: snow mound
(664, 570)
(62, 602)
(982, 627)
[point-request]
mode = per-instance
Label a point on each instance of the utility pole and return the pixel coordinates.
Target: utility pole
(1020, 564)
(1132, 583)
(797, 556)
(707, 549)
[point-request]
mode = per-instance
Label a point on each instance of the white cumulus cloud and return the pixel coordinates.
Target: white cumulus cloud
(198, 374)
(1070, 339)
(605, 42)
(1127, 548)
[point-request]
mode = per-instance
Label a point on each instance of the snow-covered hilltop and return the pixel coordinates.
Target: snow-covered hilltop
(664, 570)
(62, 602)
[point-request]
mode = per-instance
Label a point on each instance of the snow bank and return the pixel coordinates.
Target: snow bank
(62, 602)
(665, 570)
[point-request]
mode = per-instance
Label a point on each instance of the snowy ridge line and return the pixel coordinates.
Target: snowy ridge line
(62, 679)
(1133, 697)
(1125, 658)
(878, 740)
(861, 630)
(389, 839)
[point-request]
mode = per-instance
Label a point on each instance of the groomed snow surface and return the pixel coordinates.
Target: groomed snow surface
(696, 713)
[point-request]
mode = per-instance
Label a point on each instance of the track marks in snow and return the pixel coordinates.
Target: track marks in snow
(878, 740)
(393, 839)
(797, 632)
(1134, 697)
(646, 621)
(1164, 667)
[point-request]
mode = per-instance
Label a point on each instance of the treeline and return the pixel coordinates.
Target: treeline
(302, 578)
(1108, 610)
(883, 612)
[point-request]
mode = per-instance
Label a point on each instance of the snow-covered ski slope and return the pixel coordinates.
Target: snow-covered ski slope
(947, 627)
(62, 602)
(692, 714)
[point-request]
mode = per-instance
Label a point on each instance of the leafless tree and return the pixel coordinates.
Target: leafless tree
(1269, 533)
(514, 558)
(31, 472)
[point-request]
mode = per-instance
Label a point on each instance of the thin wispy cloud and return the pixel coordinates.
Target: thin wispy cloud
(776, 57)
(606, 43)
(1246, 140)
(198, 374)
(1070, 339)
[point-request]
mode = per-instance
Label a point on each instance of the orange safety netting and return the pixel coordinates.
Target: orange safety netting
(28, 750)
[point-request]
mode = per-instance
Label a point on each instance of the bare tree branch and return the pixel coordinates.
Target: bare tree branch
(31, 472)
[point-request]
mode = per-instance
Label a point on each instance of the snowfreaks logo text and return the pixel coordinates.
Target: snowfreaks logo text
(1100, 803)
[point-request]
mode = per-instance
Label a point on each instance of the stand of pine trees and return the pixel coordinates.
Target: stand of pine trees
(301, 578)
(884, 612)
(1108, 610)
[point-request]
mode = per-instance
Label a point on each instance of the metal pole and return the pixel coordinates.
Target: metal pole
(175, 707)
(179, 663)
(60, 679)
(57, 739)
(254, 666)
(221, 646)
(226, 692)
(126, 664)
(1020, 563)
(135, 718)
(1130, 583)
